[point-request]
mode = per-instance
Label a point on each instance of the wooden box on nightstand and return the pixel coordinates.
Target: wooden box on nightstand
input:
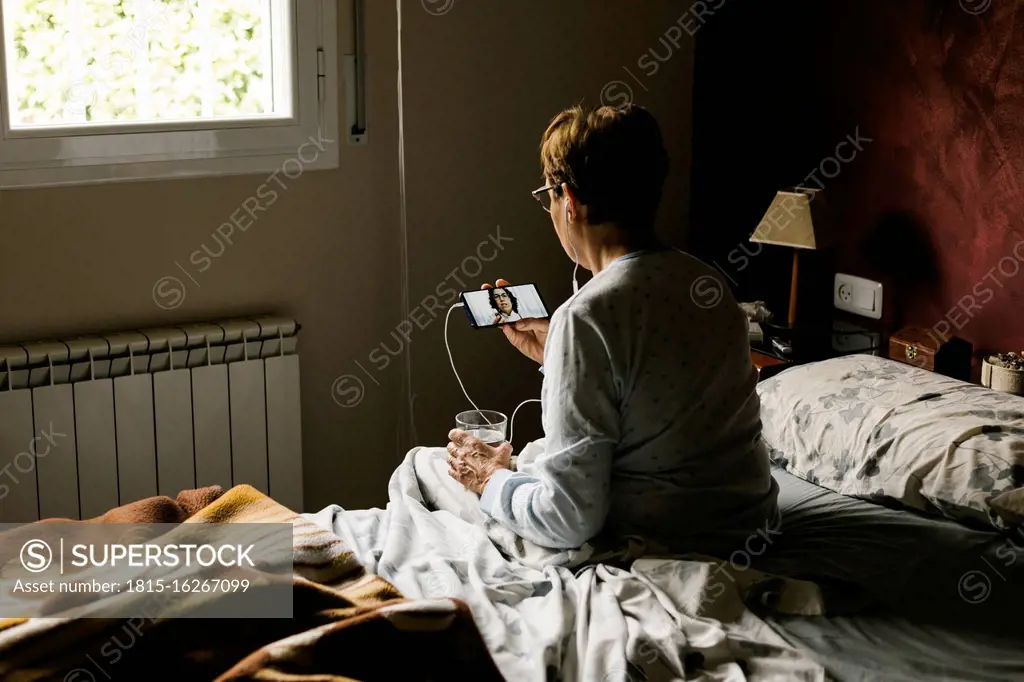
(919, 347)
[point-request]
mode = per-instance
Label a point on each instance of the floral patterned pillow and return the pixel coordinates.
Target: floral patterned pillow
(869, 427)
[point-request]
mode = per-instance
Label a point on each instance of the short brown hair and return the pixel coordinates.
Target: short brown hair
(614, 159)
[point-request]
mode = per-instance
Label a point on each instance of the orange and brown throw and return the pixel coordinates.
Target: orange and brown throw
(347, 625)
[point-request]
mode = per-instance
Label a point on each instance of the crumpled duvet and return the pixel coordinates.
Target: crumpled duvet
(547, 615)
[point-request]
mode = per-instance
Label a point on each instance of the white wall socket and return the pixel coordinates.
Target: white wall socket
(857, 295)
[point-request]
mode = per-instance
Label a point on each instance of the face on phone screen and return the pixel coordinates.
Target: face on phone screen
(503, 305)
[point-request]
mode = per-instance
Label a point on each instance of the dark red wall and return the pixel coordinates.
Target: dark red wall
(933, 207)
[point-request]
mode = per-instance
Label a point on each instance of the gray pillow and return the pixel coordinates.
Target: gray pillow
(874, 428)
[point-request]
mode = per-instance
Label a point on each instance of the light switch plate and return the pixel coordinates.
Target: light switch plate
(857, 295)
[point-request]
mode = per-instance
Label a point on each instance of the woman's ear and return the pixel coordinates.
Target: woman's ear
(573, 207)
(567, 192)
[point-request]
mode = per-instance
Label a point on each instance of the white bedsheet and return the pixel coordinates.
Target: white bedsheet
(664, 619)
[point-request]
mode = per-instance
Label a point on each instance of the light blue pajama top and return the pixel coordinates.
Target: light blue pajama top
(651, 422)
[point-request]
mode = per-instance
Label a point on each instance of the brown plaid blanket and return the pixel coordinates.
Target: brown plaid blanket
(347, 624)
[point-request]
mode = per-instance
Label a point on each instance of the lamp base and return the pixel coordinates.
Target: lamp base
(793, 287)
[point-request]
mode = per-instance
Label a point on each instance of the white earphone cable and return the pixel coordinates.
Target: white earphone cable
(451, 359)
(511, 422)
(575, 290)
(575, 254)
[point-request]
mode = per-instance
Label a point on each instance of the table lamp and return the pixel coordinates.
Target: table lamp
(790, 222)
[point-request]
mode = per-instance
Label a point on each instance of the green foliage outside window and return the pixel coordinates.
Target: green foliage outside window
(80, 61)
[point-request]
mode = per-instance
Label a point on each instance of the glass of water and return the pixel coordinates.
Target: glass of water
(487, 425)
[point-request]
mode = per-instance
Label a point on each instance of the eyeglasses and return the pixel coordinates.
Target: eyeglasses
(543, 197)
(502, 295)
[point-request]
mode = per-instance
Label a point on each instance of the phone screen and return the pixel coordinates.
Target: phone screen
(503, 305)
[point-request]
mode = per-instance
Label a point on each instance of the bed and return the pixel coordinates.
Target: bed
(914, 565)
(889, 566)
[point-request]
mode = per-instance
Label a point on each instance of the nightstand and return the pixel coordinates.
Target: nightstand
(767, 365)
(815, 341)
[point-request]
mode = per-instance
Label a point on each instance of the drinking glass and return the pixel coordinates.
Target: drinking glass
(487, 425)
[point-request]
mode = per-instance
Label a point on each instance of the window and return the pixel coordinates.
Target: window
(102, 90)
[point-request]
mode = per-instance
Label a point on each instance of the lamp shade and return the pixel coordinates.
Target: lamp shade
(789, 221)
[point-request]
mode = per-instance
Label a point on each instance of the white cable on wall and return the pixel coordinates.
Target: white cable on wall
(404, 274)
(403, 248)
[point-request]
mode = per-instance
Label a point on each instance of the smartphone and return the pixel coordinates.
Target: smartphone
(503, 305)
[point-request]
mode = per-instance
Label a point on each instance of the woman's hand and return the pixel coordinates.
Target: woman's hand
(472, 462)
(527, 336)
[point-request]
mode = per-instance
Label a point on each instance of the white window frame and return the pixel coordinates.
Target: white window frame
(71, 155)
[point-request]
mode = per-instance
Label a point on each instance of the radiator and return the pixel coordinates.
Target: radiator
(88, 424)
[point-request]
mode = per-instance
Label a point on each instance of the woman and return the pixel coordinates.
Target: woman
(651, 420)
(505, 305)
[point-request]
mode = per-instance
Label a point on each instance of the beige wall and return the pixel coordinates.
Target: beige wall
(480, 82)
